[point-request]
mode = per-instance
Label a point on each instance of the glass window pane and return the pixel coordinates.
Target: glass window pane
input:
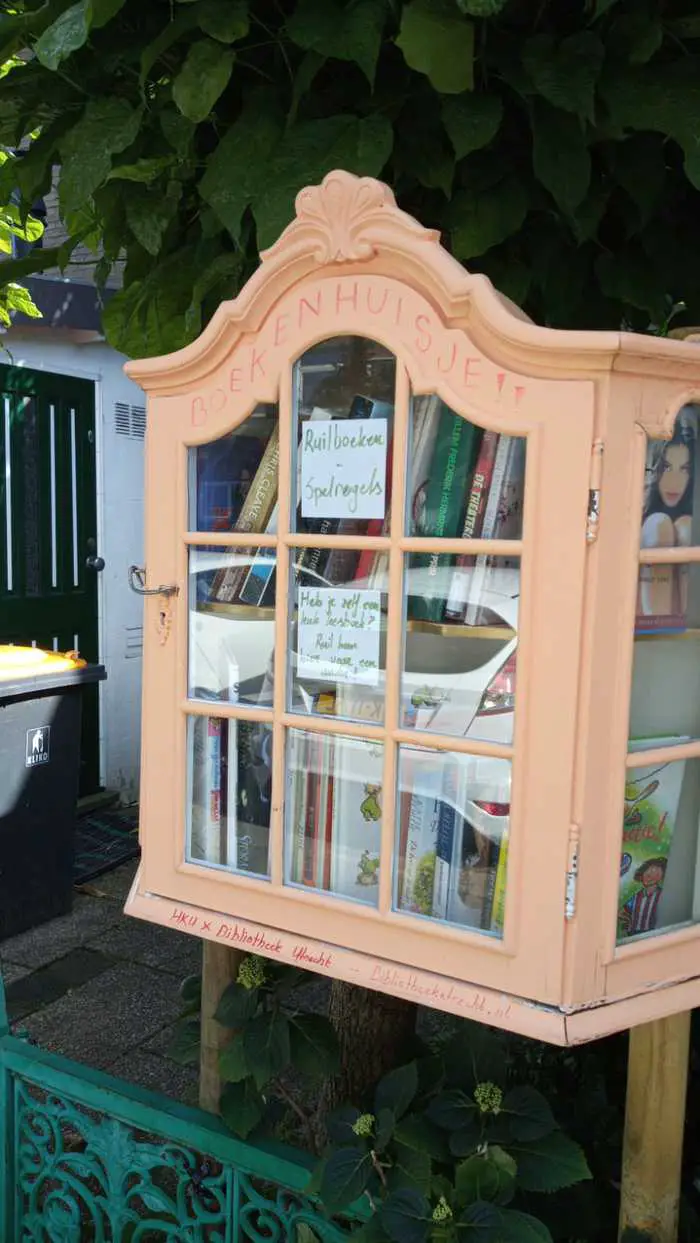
(231, 643)
(337, 648)
(463, 481)
(671, 506)
(344, 406)
(233, 481)
(229, 789)
(459, 676)
(334, 814)
(452, 837)
(659, 878)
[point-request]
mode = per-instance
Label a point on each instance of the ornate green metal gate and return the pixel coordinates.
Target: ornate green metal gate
(90, 1159)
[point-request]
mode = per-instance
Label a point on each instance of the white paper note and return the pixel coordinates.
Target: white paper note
(343, 468)
(338, 634)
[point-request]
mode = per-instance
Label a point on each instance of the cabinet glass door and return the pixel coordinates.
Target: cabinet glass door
(659, 886)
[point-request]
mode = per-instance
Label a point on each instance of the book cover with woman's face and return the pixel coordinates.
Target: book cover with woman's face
(667, 518)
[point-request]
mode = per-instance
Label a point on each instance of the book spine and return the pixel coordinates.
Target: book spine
(504, 454)
(455, 448)
(214, 792)
(458, 595)
(445, 843)
(426, 424)
(498, 904)
(418, 874)
(298, 791)
(254, 516)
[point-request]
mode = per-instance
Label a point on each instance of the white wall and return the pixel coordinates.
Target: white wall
(119, 426)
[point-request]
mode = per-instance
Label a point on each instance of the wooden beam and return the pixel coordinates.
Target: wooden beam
(657, 1078)
(220, 966)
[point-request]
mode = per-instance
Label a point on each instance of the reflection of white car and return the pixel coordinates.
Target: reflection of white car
(457, 685)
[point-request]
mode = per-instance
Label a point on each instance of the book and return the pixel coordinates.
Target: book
(455, 449)
(502, 520)
(224, 470)
(458, 595)
(254, 516)
(498, 905)
(206, 790)
(445, 841)
(421, 781)
(652, 795)
(358, 776)
(249, 817)
(297, 789)
(667, 520)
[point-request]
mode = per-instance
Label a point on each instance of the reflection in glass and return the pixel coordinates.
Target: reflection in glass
(230, 645)
(452, 837)
(460, 679)
(337, 647)
(229, 788)
(333, 814)
(233, 480)
(670, 518)
(345, 388)
(659, 879)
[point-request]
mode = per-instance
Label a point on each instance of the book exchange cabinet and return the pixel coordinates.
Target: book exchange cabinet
(421, 698)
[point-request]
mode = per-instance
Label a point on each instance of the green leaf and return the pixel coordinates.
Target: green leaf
(241, 1107)
(185, 1043)
(343, 32)
(417, 1131)
(309, 66)
(471, 121)
(339, 1124)
(143, 170)
(635, 36)
(149, 316)
(484, 1221)
(482, 8)
(309, 150)
(480, 221)
(102, 11)
(19, 299)
(148, 215)
(191, 992)
(345, 1177)
(559, 155)
(566, 74)
(202, 79)
(550, 1163)
(233, 1063)
(225, 20)
(178, 25)
(475, 1054)
(467, 1138)
(313, 1045)
(237, 1005)
(267, 1046)
(452, 1109)
(436, 41)
(37, 261)
(410, 1169)
(517, 1227)
(662, 98)
(640, 168)
(529, 1113)
(406, 1216)
(384, 1128)
(237, 167)
(177, 130)
(397, 1089)
(68, 33)
(106, 127)
(628, 277)
(486, 1176)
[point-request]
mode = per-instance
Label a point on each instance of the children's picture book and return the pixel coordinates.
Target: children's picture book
(667, 520)
(652, 795)
(422, 781)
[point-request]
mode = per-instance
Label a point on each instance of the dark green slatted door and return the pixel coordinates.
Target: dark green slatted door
(48, 596)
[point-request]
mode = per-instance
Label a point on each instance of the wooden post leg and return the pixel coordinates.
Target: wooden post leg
(654, 1121)
(219, 967)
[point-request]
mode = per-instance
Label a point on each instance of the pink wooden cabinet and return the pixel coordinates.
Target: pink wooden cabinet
(423, 710)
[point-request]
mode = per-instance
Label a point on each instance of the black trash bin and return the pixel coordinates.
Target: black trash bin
(40, 708)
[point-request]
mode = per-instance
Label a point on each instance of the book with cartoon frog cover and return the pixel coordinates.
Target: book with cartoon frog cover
(652, 794)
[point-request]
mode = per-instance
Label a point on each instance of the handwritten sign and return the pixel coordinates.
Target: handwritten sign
(338, 637)
(343, 468)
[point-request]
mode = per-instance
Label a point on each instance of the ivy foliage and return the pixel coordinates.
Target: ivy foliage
(554, 144)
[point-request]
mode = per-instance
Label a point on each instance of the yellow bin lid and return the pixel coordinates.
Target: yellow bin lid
(32, 662)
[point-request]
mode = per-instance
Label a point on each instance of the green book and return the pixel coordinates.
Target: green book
(451, 468)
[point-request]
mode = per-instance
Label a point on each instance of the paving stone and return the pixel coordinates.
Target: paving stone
(135, 940)
(117, 883)
(158, 1074)
(52, 940)
(37, 989)
(103, 1019)
(12, 971)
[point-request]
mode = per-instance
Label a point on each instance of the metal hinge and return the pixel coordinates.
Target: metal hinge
(572, 872)
(594, 484)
